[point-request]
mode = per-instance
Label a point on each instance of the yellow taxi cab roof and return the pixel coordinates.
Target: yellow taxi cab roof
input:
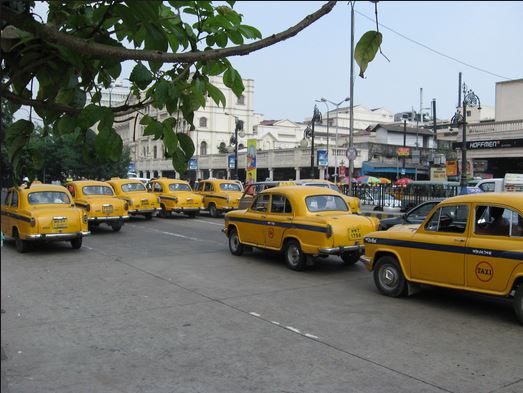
(82, 183)
(300, 191)
(43, 187)
(117, 180)
(505, 198)
(221, 181)
(169, 180)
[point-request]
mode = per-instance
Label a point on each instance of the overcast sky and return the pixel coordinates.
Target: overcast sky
(290, 76)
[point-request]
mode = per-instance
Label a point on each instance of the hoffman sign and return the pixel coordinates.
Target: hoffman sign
(492, 144)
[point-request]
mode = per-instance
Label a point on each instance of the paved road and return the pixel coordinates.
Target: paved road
(162, 306)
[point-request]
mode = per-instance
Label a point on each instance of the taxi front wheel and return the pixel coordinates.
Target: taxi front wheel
(294, 256)
(234, 242)
(76, 243)
(213, 211)
(388, 277)
(518, 303)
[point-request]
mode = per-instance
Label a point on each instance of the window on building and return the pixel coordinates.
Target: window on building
(155, 152)
(203, 148)
(240, 125)
(203, 122)
(469, 113)
(241, 100)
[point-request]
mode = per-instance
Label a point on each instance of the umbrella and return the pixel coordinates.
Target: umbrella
(345, 180)
(384, 180)
(403, 181)
(367, 179)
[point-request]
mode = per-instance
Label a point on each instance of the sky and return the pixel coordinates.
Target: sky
(427, 43)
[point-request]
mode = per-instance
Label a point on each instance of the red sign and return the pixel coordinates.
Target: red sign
(342, 170)
(403, 151)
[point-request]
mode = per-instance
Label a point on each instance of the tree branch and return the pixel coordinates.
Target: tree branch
(88, 47)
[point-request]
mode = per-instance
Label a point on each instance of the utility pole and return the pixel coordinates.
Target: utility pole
(351, 110)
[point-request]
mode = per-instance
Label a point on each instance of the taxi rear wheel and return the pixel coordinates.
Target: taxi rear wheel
(116, 226)
(22, 246)
(234, 243)
(148, 216)
(294, 256)
(518, 303)
(350, 258)
(388, 277)
(76, 243)
(213, 211)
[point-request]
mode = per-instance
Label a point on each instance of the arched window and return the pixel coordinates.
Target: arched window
(241, 100)
(203, 148)
(203, 122)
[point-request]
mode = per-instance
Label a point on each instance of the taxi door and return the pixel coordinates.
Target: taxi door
(494, 251)
(6, 210)
(279, 218)
(253, 227)
(438, 248)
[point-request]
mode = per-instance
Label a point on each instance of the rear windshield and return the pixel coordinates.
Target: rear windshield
(230, 187)
(48, 197)
(324, 203)
(97, 190)
(179, 187)
(131, 187)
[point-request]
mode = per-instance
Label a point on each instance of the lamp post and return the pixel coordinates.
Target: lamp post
(460, 119)
(234, 139)
(327, 111)
(337, 105)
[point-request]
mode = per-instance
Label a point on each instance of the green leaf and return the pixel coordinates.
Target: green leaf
(64, 96)
(146, 120)
(161, 93)
(66, 124)
(141, 76)
(366, 49)
(235, 37)
(179, 161)
(249, 32)
(216, 94)
(233, 80)
(114, 69)
(170, 139)
(186, 145)
(108, 144)
(154, 128)
(17, 136)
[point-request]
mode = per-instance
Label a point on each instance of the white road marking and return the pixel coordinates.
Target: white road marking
(311, 336)
(276, 323)
(255, 314)
(293, 329)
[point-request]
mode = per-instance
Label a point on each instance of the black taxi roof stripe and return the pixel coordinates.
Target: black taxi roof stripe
(447, 248)
(279, 224)
(17, 216)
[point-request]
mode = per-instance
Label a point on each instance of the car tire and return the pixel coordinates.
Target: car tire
(350, 258)
(213, 211)
(162, 213)
(148, 216)
(235, 246)
(191, 215)
(294, 256)
(22, 246)
(389, 278)
(76, 243)
(116, 226)
(518, 303)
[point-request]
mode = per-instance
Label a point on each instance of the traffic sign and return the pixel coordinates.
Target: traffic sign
(351, 153)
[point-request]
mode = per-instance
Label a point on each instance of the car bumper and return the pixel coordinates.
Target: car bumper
(105, 219)
(366, 261)
(342, 249)
(144, 211)
(57, 236)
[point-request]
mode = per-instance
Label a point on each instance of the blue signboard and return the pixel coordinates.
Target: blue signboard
(193, 164)
(323, 158)
(231, 161)
(131, 167)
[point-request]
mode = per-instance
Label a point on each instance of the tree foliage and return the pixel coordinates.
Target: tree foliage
(176, 47)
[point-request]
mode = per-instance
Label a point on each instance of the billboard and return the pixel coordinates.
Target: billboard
(231, 160)
(251, 161)
(403, 151)
(438, 174)
(193, 164)
(323, 157)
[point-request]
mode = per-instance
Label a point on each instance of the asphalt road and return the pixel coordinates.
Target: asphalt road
(163, 306)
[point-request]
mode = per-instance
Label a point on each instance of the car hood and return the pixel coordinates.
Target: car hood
(404, 228)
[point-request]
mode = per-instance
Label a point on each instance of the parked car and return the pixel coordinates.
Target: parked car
(133, 191)
(220, 195)
(42, 212)
(98, 200)
(354, 202)
(470, 242)
(253, 189)
(176, 196)
(301, 222)
(415, 216)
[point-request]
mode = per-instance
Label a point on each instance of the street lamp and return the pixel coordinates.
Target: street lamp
(309, 133)
(337, 105)
(328, 152)
(234, 139)
(460, 119)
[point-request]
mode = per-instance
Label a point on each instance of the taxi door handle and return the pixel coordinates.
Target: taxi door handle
(459, 240)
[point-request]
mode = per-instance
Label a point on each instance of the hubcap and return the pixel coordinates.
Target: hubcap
(234, 242)
(293, 254)
(389, 277)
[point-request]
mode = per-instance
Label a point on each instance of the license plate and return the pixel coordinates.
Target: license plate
(60, 223)
(107, 208)
(354, 233)
(145, 201)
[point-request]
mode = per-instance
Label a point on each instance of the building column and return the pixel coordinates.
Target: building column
(271, 173)
(322, 173)
(160, 174)
(177, 175)
(297, 173)
(210, 173)
(228, 173)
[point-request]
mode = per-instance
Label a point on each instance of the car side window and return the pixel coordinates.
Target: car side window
(209, 187)
(448, 219)
(488, 187)
(261, 203)
(157, 187)
(280, 204)
(421, 211)
(7, 200)
(497, 221)
(14, 199)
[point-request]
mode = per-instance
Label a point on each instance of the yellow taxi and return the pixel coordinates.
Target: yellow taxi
(469, 242)
(220, 195)
(353, 202)
(253, 189)
(42, 212)
(301, 222)
(133, 191)
(98, 200)
(175, 196)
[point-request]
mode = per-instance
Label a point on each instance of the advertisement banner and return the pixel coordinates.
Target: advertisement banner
(438, 174)
(323, 158)
(403, 151)
(452, 168)
(251, 161)
(231, 161)
(193, 164)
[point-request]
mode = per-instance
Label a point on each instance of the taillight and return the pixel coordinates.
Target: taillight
(88, 207)
(329, 231)
(33, 222)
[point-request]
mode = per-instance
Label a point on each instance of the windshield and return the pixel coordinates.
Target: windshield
(323, 203)
(97, 190)
(132, 187)
(179, 187)
(230, 187)
(48, 197)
